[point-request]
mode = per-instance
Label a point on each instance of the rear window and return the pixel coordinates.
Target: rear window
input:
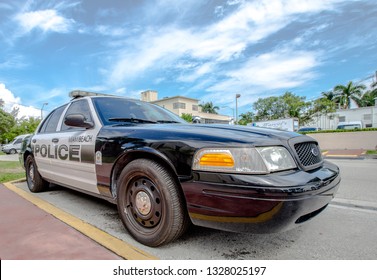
(51, 122)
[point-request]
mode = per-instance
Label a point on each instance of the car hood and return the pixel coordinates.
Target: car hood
(198, 133)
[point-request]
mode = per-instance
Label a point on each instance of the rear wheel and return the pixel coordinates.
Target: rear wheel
(35, 182)
(150, 203)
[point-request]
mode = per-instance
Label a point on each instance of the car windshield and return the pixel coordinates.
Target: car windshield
(118, 110)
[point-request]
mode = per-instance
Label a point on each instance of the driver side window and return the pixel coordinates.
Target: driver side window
(77, 107)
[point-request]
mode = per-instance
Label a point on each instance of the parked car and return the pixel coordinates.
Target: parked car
(14, 146)
(164, 173)
(350, 125)
(307, 129)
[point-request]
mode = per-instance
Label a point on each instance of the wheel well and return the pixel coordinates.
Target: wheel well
(131, 156)
(26, 154)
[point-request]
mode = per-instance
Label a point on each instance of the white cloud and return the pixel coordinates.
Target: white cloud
(11, 102)
(199, 71)
(218, 43)
(279, 69)
(14, 62)
(46, 20)
(111, 31)
(9, 99)
(149, 51)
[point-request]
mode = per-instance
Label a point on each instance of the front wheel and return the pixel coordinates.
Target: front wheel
(150, 203)
(35, 182)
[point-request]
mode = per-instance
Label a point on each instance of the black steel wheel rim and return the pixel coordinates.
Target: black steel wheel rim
(143, 203)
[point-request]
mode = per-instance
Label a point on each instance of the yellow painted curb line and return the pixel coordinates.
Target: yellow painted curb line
(344, 156)
(119, 247)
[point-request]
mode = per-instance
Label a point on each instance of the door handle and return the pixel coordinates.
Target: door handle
(55, 140)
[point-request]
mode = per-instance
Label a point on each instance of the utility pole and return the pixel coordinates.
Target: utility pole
(237, 96)
(42, 109)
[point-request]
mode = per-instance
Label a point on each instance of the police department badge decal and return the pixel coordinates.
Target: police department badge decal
(98, 158)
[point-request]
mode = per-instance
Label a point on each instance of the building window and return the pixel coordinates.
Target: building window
(195, 107)
(342, 118)
(179, 105)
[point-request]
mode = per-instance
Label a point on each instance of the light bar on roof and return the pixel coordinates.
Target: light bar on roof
(82, 93)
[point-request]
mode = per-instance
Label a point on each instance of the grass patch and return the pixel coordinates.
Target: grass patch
(11, 170)
(371, 152)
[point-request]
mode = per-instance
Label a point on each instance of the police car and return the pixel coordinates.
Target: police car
(165, 174)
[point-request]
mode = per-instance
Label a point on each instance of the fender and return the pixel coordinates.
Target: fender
(133, 153)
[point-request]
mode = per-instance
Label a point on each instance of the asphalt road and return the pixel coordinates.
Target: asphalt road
(345, 230)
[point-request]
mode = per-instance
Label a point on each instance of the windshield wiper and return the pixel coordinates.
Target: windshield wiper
(133, 120)
(166, 121)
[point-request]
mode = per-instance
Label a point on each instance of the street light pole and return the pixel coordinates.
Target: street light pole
(42, 109)
(237, 96)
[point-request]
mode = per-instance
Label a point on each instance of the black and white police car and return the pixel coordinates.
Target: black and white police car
(164, 173)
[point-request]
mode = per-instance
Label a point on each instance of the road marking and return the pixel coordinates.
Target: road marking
(119, 247)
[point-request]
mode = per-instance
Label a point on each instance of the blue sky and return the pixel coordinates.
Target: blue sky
(209, 50)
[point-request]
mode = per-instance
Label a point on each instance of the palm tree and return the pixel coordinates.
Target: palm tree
(209, 108)
(349, 92)
(329, 95)
(369, 98)
(246, 118)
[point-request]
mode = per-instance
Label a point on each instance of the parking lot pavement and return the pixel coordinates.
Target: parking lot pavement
(13, 157)
(29, 233)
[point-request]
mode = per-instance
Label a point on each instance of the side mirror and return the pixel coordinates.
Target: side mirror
(77, 120)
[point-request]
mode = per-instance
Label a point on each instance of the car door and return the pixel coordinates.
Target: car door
(42, 145)
(74, 164)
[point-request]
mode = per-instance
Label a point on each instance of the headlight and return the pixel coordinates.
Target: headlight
(261, 160)
(276, 158)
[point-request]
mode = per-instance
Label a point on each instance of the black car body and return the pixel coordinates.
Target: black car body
(164, 173)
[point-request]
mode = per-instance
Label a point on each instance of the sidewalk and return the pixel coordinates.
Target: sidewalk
(29, 233)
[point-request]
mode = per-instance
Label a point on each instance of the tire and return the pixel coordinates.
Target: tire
(34, 180)
(12, 151)
(150, 203)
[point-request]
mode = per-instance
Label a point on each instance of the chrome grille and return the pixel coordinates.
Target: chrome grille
(308, 153)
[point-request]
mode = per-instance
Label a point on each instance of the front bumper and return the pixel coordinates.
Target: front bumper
(259, 203)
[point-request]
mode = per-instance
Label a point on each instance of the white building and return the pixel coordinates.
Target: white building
(181, 104)
(367, 115)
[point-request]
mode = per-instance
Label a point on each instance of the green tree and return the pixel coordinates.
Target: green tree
(267, 108)
(293, 105)
(288, 105)
(346, 93)
(368, 98)
(209, 108)
(323, 106)
(187, 117)
(7, 122)
(246, 118)
(329, 95)
(10, 127)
